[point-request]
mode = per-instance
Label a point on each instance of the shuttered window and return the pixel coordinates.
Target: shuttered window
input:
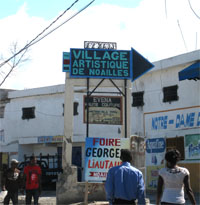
(138, 99)
(28, 113)
(170, 93)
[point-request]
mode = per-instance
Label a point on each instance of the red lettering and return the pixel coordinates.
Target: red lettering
(95, 140)
(106, 166)
(111, 142)
(111, 165)
(101, 164)
(102, 142)
(107, 142)
(89, 166)
(117, 142)
(96, 165)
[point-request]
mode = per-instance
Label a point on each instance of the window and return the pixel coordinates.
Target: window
(2, 139)
(2, 111)
(28, 113)
(176, 143)
(76, 108)
(170, 93)
(138, 99)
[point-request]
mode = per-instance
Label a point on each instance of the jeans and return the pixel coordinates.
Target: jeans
(32, 193)
(11, 195)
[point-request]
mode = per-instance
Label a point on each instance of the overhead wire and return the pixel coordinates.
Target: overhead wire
(166, 8)
(33, 41)
(63, 23)
(182, 35)
(193, 10)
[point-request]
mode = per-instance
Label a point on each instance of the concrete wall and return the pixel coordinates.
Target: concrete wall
(22, 135)
(48, 117)
(164, 74)
(152, 84)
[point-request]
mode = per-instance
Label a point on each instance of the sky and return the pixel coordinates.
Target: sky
(157, 29)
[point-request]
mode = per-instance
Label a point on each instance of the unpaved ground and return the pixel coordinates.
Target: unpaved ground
(49, 198)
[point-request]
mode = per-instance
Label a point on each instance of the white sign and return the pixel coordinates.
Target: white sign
(185, 118)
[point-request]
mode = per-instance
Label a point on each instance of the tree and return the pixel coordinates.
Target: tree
(17, 59)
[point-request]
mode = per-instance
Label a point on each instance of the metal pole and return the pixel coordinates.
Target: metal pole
(125, 107)
(87, 107)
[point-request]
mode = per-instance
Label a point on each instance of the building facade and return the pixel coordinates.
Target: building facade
(34, 122)
(167, 114)
(164, 111)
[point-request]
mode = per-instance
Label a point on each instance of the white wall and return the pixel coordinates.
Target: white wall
(48, 121)
(152, 84)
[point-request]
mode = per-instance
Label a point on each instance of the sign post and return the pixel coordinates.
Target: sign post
(96, 62)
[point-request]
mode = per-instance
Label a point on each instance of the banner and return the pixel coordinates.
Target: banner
(50, 139)
(155, 151)
(101, 154)
(192, 146)
(152, 176)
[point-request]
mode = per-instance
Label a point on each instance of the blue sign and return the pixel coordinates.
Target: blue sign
(107, 63)
(66, 61)
(100, 63)
(156, 145)
(140, 65)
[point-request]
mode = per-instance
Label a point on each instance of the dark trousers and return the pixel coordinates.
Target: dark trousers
(32, 193)
(11, 195)
(166, 203)
(123, 202)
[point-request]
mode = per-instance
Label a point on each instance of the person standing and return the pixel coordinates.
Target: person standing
(11, 183)
(172, 180)
(32, 175)
(124, 183)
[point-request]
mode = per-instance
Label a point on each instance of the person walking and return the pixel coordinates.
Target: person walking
(124, 183)
(172, 180)
(32, 176)
(11, 183)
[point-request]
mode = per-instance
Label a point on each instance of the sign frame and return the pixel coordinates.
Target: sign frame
(99, 102)
(98, 162)
(95, 51)
(66, 62)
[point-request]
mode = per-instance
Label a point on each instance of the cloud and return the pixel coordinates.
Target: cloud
(148, 28)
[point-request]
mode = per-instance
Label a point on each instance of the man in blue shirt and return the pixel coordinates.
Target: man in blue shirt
(124, 183)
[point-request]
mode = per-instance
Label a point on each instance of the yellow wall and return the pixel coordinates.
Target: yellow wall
(194, 169)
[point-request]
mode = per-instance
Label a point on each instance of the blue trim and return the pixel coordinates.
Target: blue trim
(191, 72)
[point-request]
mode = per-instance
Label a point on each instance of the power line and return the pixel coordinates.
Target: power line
(32, 41)
(166, 8)
(193, 10)
(63, 23)
(182, 35)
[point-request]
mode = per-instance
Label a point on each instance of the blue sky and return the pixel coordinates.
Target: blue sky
(50, 8)
(152, 29)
